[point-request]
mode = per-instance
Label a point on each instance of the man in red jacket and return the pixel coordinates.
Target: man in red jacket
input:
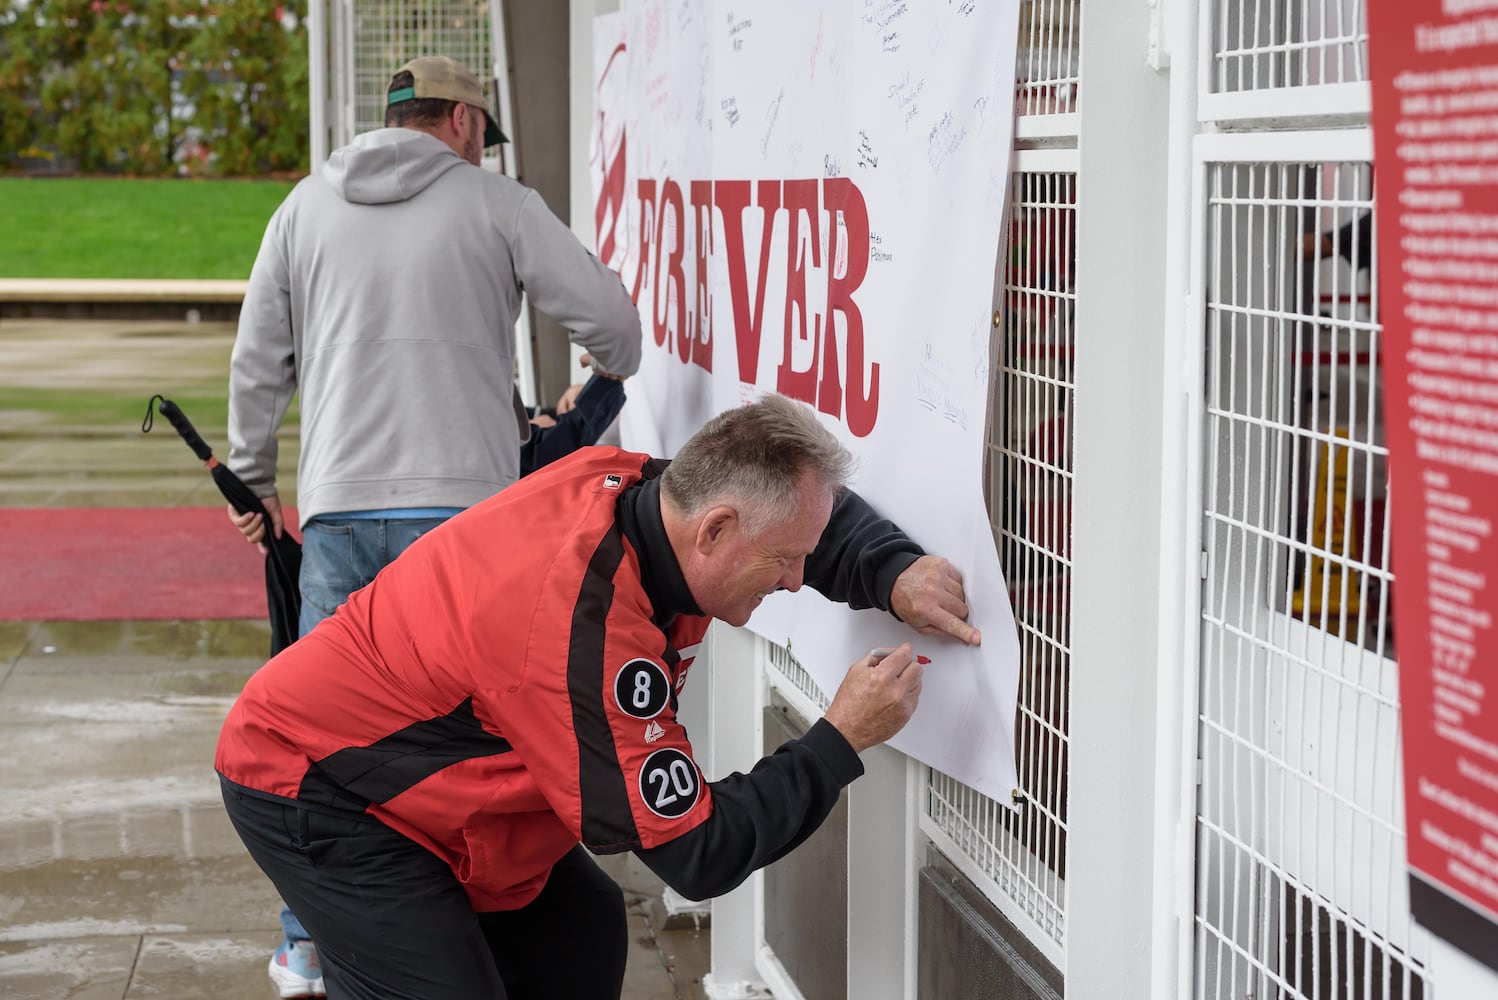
(506, 702)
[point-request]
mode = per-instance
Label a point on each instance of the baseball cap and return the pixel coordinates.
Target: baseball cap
(448, 80)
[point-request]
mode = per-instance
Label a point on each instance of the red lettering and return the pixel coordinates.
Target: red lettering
(801, 196)
(610, 202)
(647, 225)
(674, 284)
(848, 243)
(833, 377)
(702, 323)
(611, 199)
(732, 198)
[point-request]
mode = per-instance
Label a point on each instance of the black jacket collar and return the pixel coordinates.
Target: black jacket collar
(660, 575)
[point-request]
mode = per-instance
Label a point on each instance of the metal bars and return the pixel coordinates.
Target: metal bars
(1300, 838)
(1260, 45)
(793, 677)
(387, 34)
(1029, 478)
(1047, 68)
(1018, 855)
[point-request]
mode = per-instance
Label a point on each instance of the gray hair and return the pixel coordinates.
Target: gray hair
(753, 458)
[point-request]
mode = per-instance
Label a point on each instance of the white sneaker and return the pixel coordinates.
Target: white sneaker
(295, 970)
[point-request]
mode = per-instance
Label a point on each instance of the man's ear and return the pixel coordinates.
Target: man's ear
(715, 528)
(457, 118)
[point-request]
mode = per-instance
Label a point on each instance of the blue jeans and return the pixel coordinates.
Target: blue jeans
(340, 555)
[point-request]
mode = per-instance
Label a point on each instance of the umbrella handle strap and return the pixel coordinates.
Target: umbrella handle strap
(185, 428)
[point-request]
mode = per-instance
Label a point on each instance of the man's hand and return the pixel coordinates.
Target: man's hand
(876, 698)
(1316, 245)
(929, 598)
(252, 525)
(586, 361)
(568, 399)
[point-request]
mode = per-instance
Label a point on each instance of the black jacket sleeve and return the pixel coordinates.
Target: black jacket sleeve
(860, 555)
(596, 407)
(758, 817)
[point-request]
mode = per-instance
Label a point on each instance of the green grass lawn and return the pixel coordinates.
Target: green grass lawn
(67, 227)
(206, 408)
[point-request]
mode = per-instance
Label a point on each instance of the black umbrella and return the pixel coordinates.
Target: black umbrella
(283, 559)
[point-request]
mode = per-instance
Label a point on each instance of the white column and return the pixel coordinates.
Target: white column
(881, 839)
(735, 703)
(317, 80)
(1179, 520)
(1121, 211)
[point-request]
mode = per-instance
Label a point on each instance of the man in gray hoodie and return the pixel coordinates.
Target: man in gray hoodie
(385, 293)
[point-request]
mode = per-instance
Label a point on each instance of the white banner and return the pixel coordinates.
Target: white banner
(807, 197)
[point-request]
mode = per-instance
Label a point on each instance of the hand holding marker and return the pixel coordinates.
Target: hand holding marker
(883, 651)
(874, 702)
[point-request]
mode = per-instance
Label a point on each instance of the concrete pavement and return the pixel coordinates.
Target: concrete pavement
(119, 874)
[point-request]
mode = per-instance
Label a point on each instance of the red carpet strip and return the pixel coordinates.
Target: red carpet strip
(127, 564)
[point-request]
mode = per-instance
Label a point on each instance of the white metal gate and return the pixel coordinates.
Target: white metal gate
(367, 41)
(1299, 828)
(1018, 856)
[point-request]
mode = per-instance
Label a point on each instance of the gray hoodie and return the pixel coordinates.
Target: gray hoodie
(386, 291)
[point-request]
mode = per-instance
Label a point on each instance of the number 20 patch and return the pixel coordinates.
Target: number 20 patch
(669, 783)
(641, 689)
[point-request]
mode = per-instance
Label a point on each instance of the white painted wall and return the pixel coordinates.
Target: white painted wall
(1460, 975)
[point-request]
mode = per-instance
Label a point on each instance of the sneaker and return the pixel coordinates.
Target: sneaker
(295, 970)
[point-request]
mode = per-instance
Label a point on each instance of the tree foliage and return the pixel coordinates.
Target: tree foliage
(154, 87)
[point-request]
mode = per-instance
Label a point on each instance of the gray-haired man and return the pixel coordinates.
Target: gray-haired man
(511, 686)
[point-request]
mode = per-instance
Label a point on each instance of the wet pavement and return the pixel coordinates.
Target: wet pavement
(119, 874)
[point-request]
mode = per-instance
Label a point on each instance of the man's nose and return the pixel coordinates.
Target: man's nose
(794, 576)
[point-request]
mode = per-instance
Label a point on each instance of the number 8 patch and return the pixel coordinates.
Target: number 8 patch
(668, 783)
(641, 689)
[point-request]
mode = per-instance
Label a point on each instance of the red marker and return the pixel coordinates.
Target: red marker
(882, 652)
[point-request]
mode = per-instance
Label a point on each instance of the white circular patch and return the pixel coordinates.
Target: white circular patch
(669, 783)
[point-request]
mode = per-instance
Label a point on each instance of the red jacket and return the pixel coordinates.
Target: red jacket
(507, 688)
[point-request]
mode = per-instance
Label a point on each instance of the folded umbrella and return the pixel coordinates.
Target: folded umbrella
(283, 558)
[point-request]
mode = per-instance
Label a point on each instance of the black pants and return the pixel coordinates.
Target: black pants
(391, 921)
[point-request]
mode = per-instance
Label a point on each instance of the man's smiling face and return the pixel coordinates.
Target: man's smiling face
(744, 569)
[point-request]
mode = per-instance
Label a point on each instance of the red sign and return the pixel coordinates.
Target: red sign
(1435, 127)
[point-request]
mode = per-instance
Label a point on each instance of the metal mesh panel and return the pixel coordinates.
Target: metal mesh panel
(388, 33)
(1273, 44)
(795, 675)
(1300, 834)
(969, 952)
(1030, 468)
(1047, 60)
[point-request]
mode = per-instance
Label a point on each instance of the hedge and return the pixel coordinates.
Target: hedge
(154, 87)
